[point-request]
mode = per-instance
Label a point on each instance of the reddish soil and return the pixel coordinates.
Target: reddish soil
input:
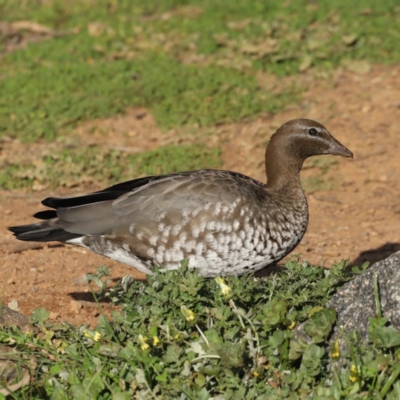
(358, 219)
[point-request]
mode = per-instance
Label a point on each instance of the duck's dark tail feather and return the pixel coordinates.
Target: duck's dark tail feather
(42, 232)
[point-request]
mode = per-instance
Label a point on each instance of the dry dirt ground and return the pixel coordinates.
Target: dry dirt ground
(357, 219)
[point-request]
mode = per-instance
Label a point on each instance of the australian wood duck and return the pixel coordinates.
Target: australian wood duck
(223, 222)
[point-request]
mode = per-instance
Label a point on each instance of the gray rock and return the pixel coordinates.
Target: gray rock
(355, 301)
(9, 317)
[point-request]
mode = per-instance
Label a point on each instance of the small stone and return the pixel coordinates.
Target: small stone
(11, 281)
(365, 109)
(53, 315)
(360, 67)
(305, 63)
(349, 40)
(33, 269)
(80, 280)
(383, 178)
(13, 305)
(75, 306)
(38, 187)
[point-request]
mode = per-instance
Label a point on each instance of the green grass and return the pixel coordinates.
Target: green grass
(189, 62)
(183, 336)
(43, 102)
(94, 164)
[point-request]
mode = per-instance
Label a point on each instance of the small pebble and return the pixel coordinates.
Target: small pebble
(80, 280)
(54, 315)
(13, 304)
(383, 178)
(75, 306)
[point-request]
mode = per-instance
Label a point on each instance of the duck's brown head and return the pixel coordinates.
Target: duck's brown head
(293, 143)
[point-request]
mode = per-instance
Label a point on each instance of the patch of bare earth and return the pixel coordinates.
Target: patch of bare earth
(358, 219)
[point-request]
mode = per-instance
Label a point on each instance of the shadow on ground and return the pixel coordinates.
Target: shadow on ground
(375, 255)
(89, 297)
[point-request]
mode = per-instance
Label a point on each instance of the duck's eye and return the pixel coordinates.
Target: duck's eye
(313, 132)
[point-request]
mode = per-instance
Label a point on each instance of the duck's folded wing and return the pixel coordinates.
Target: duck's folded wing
(170, 197)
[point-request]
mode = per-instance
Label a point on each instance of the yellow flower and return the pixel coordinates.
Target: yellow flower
(290, 324)
(354, 368)
(95, 336)
(335, 352)
(48, 334)
(354, 373)
(188, 314)
(225, 289)
(87, 334)
(255, 374)
(178, 336)
(60, 346)
(142, 341)
(156, 340)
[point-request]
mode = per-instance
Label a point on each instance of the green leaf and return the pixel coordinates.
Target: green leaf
(320, 324)
(297, 348)
(231, 355)
(39, 315)
(173, 353)
(162, 377)
(274, 312)
(59, 393)
(311, 361)
(122, 396)
(385, 337)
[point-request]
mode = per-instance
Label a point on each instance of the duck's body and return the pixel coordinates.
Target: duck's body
(223, 222)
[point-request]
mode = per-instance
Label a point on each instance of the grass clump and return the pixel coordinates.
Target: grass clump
(183, 336)
(100, 165)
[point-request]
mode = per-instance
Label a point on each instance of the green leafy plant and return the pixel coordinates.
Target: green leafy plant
(183, 336)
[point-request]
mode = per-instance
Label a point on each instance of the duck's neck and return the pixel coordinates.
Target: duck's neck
(283, 170)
